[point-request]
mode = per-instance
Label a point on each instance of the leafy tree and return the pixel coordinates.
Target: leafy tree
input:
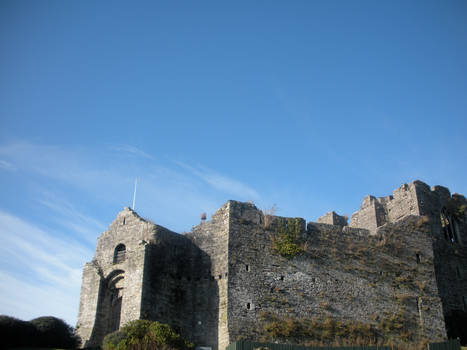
(54, 332)
(145, 335)
(16, 333)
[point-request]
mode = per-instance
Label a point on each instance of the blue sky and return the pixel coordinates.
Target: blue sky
(309, 105)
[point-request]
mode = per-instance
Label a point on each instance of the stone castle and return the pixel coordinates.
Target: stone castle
(396, 273)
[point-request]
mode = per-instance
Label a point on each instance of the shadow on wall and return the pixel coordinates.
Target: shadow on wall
(178, 289)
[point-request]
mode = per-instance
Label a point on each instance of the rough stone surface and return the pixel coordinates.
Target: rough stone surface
(402, 262)
(332, 218)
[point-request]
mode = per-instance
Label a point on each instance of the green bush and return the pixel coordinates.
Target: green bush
(53, 332)
(145, 335)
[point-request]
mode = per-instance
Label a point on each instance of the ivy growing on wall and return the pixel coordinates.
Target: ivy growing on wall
(286, 241)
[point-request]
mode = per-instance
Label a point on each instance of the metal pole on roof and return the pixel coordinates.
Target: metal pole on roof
(134, 195)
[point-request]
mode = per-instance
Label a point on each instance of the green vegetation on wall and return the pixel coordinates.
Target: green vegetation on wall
(285, 240)
(325, 331)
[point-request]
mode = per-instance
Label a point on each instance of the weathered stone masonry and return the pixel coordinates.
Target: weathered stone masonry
(399, 268)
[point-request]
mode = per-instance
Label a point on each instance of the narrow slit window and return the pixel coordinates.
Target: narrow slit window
(248, 306)
(418, 258)
(447, 226)
(247, 267)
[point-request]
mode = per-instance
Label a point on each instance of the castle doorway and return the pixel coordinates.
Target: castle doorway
(113, 299)
(109, 306)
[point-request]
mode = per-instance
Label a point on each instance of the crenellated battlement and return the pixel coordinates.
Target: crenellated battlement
(415, 198)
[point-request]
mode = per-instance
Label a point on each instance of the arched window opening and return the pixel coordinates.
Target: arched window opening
(119, 254)
(447, 226)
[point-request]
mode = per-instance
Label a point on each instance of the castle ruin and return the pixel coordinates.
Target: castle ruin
(397, 272)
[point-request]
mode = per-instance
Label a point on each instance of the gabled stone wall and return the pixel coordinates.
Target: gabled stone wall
(111, 292)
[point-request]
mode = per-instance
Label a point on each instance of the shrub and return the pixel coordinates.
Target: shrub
(54, 332)
(143, 334)
(16, 333)
(45, 331)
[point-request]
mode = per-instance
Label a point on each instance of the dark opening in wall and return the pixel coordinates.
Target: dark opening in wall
(247, 267)
(448, 226)
(220, 277)
(248, 306)
(417, 256)
(119, 253)
(282, 278)
(123, 222)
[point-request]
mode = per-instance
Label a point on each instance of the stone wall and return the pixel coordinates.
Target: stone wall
(375, 212)
(90, 285)
(342, 273)
(212, 238)
(167, 286)
(448, 232)
(332, 218)
(388, 277)
(111, 291)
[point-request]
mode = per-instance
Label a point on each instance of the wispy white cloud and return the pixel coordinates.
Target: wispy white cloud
(163, 187)
(221, 182)
(39, 272)
(27, 300)
(4, 165)
(78, 166)
(132, 150)
(67, 216)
